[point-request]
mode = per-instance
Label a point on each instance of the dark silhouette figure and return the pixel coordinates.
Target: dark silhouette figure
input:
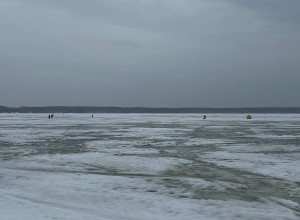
(92, 116)
(52, 116)
(49, 116)
(204, 117)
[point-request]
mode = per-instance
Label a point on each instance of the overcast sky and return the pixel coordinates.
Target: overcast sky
(152, 53)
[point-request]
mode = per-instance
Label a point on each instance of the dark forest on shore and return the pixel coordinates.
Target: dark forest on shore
(86, 109)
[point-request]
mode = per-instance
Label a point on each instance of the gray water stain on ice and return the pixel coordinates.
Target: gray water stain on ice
(149, 166)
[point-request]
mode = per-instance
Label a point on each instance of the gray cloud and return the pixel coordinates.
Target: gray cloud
(287, 11)
(150, 53)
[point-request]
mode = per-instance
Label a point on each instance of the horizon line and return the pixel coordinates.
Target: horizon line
(91, 106)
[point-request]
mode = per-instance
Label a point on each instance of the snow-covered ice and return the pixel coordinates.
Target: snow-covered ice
(149, 166)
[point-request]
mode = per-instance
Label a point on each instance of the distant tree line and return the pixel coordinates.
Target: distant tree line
(84, 109)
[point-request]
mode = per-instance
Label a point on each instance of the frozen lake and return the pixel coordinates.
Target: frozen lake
(149, 166)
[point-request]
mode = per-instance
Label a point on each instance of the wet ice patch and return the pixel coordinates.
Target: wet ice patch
(121, 147)
(104, 162)
(278, 166)
(149, 132)
(27, 135)
(219, 186)
(204, 141)
(276, 137)
(110, 143)
(266, 148)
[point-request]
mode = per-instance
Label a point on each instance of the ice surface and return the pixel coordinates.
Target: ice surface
(149, 166)
(40, 195)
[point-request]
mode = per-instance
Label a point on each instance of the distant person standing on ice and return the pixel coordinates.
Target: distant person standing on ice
(49, 116)
(52, 115)
(204, 117)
